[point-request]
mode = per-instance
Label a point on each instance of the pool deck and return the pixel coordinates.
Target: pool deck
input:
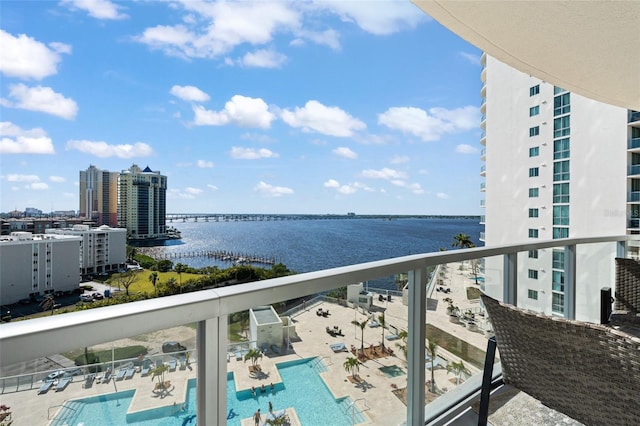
(372, 394)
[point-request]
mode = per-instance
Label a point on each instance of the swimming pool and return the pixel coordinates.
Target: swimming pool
(301, 388)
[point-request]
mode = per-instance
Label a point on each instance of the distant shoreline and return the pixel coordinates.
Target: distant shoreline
(241, 216)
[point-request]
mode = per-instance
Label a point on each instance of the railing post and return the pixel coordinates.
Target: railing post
(510, 279)
(570, 282)
(415, 347)
(211, 338)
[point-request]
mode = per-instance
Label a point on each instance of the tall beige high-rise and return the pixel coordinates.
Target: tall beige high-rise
(99, 196)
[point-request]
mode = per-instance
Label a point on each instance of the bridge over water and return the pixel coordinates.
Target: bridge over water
(228, 217)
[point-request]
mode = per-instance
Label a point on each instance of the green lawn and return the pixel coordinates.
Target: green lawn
(143, 285)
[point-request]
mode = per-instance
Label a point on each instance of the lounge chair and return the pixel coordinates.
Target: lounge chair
(172, 365)
(238, 356)
(587, 371)
(275, 415)
(88, 382)
(275, 349)
(45, 387)
(145, 371)
(129, 373)
(107, 376)
(121, 374)
(338, 347)
(63, 383)
(392, 337)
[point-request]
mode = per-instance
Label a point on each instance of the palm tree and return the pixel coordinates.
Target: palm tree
(352, 365)
(432, 348)
(362, 325)
(253, 354)
(180, 268)
(131, 252)
(382, 324)
(159, 373)
(153, 278)
(463, 241)
(458, 368)
(402, 345)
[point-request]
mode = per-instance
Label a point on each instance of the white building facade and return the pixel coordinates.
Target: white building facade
(102, 249)
(32, 266)
(142, 203)
(555, 166)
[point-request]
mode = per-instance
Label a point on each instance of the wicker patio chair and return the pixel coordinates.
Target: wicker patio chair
(626, 308)
(589, 372)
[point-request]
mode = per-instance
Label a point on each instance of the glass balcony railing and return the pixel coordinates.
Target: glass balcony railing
(634, 143)
(634, 169)
(634, 223)
(482, 219)
(634, 116)
(483, 170)
(151, 359)
(633, 196)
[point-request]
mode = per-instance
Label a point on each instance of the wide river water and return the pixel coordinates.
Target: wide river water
(311, 245)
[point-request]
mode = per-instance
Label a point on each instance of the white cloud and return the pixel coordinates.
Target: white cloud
(269, 190)
(257, 137)
(346, 189)
(240, 153)
(193, 191)
(39, 186)
(345, 153)
(331, 183)
(57, 179)
(377, 17)
(42, 99)
(99, 9)
(442, 196)
(263, 58)
(316, 117)
(22, 178)
(221, 27)
(14, 140)
(431, 125)
(104, 150)
(60, 47)
(241, 111)
(399, 159)
(212, 187)
(205, 164)
(384, 173)
(463, 148)
(330, 38)
(470, 57)
(189, 93)
(27, 58)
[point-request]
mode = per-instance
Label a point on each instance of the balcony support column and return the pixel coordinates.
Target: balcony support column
(570, 282)
(416, 346)
(211, 386)
(510, 279)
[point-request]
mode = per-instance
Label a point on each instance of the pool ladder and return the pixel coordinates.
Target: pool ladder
(315, 363)
(353, 407)
(56, 406)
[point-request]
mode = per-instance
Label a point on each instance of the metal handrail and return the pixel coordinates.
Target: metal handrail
(55, 406)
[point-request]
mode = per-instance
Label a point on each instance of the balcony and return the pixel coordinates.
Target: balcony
(634, 143)
(634, 116)
(212, 357)
(481, 236)
(483, 90)
(483, 154)
(633, 197)
(634, 169)
(483, 122)
(482, 219)
(483, 138)
(634, 224)
(483, 170)
(482, 203)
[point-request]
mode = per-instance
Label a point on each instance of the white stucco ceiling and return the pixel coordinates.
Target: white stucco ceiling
(588, 47)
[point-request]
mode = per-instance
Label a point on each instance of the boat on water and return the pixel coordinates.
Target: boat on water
(173, 233)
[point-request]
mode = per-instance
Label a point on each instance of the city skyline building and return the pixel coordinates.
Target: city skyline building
(555, 166)
(142, 203)
(99, 196)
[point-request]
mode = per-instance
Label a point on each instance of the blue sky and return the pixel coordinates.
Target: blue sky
(247, 107)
